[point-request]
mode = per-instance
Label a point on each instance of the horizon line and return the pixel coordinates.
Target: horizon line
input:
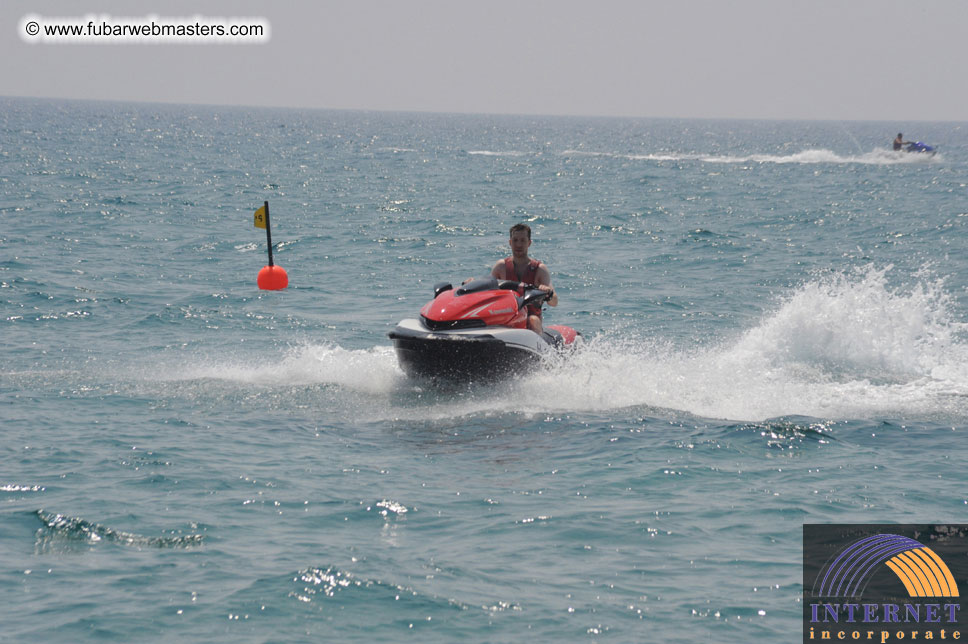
(470, 113)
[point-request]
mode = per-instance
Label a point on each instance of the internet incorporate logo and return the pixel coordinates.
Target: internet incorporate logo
(920, 570)
(882, 583)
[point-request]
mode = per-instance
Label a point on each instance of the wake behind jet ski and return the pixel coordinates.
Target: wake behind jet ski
(478, 331)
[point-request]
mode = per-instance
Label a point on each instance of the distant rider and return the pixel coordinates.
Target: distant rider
(899, 142)
(521, 268)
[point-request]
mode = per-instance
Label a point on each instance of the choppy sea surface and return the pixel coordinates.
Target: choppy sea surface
(774, 315)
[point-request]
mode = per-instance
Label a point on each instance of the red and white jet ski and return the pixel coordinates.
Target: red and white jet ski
(477, 331)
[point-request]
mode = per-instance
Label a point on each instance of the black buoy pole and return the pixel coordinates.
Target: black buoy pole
(268, 233)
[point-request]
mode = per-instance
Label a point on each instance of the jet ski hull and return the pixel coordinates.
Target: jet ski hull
(483, 353)
(918, 147)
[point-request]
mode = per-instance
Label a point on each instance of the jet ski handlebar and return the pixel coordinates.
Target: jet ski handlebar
(486, 284)
(527, 293)
(534, 295)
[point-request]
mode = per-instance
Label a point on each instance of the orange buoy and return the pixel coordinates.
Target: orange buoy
(272, 278)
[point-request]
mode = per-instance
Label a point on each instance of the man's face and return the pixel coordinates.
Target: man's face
(519, 243)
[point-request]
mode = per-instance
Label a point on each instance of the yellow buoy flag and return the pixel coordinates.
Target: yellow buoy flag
(260, 217)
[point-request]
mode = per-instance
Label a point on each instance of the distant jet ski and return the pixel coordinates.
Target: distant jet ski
(921, 148)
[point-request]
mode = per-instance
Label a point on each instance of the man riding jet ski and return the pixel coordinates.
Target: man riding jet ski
(487, 327)
(478, 331)
(522, 268)
(912, 146)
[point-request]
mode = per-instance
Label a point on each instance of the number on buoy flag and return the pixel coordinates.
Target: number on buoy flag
(260, 217)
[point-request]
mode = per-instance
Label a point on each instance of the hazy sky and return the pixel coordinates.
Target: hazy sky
(802, 59)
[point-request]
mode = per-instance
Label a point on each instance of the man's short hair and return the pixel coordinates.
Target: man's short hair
(519, 227)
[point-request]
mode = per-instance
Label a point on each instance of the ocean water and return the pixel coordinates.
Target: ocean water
(775, 324)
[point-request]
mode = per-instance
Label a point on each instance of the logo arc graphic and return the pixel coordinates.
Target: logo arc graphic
(919, 569)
